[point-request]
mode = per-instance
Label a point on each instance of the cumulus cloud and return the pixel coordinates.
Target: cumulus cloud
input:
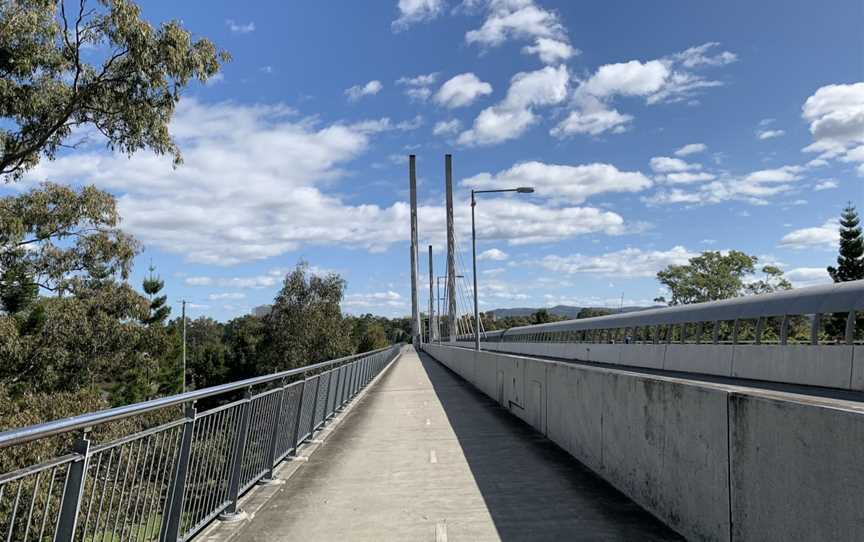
(388, 298)
(418, 87)
(691, 148)
(447, 127)
(240, 28)
(252, 187)
(493, 254)
(571, 183)
(826, 184)
(416, 11)
(769, 134)
(664, 80)
(358, 91)
(551, 51)
(665, 164)
(756, 187)
(520, 19)
(825, 236)
(801, 277)
(514, 115)
(627, 263)
(836, 117)
(226, 295)
(461, 90)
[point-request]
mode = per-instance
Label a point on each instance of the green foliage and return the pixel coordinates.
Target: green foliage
(17, 290)
(712, 276)
(243, 339)
(306, 324)
(53, 233)
(368, 333)
(589, 312)
(541, 317)
(128, 93)
(850, 261)
(159, 311)
(205, 351)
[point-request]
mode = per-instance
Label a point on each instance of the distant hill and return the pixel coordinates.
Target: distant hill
(565, 311)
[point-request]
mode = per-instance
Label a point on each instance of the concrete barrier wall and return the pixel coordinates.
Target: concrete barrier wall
(712, 461)
(832, 366)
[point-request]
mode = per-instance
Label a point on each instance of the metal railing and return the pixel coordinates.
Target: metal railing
(707, 322)
(169, 481)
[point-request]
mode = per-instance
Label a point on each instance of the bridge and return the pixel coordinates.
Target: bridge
(711, 421)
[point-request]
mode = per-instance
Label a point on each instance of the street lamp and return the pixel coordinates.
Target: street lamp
(520, 190)
(438, 303)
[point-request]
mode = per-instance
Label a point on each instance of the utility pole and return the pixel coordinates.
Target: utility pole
(183, 317)
(451, 250)
(431, 327)
(415, 307)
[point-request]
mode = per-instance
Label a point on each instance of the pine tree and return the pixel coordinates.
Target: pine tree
(850, 262)
(159, 311)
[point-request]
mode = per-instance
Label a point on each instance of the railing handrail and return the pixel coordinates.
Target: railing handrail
(822, 299)
(91, 419)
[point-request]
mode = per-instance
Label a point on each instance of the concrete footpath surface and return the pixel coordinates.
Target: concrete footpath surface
(424, 456)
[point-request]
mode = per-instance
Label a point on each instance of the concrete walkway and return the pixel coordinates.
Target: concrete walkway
(424, 456)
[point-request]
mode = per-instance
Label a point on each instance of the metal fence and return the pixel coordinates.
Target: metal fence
(742, 320)
(810, 336)
(169, 481)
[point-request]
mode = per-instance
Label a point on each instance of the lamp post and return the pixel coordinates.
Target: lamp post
(438, 299)
(520, 190)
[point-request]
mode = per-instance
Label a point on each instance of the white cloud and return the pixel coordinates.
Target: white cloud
(493, 254)
(510, 118)
(369, 89)
(769, 134)
(696, 56)
(571, 183)
(227, 295)
(782, 174)
(251, 188)
(592, 120)
(824, 236)
(461, 90)
(516, 19)
(446, 127)
(240, 28)
(801, 277)
(417, 88)
(551, 51)
(388, 298)
(826, 184)
(686, 177)
(664, 164)
(627, 79)
(627, 263)
(416, 11)
(836, 117)
(691, 148)
(663, 80)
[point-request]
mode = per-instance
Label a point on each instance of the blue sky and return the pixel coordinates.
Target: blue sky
(651, 130)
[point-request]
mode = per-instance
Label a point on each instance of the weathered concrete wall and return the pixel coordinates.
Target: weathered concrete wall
(672, 445)
(797, 469)
(832, 366)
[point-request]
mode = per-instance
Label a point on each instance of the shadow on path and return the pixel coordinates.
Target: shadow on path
(533, 489)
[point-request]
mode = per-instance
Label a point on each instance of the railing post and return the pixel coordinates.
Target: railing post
(271, 454)
(814, 329)
(174, 503)
(72, 492)
(784, 329)
(760, 325)
(314, 407)
(850, 328)
(232, 513)
(715, 335)
(299, 416)
(736, 327)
